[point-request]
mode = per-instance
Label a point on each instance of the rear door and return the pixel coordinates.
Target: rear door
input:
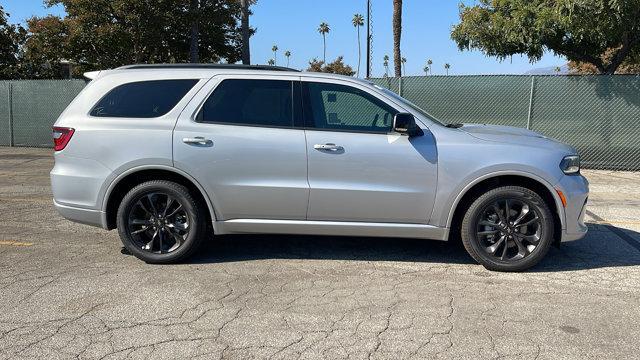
(241, 138)
(359, 170)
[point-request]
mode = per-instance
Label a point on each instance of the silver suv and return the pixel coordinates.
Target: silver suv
(169, 154)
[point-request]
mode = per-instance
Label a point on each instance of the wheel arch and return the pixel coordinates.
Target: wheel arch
(127, 180)
(492, 181)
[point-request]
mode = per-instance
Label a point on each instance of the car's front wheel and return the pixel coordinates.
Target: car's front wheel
(160, 222)
(508, 229)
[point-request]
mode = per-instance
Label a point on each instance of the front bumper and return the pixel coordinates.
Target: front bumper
(576, 190)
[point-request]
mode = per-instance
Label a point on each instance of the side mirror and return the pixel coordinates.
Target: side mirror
(405, 123)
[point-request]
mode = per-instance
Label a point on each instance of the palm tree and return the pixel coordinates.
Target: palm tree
(358, 21)
(275, 53)
(194, 9)
(246, 30)
(397, 35)
(287, 54)
(324, 30)
(426, 70)
(558, 69)
(404, 67)
(271, 62)
(429, 63)
(386, 65)
(447, 67)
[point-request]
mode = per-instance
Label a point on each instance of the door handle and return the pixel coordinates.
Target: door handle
(328, 147)
(198, 140)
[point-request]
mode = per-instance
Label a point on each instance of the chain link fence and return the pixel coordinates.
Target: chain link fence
(599, 115)
(30, 107)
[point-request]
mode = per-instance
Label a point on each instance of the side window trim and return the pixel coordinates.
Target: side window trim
(307, 111)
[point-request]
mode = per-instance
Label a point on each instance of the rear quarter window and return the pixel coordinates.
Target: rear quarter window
(142, 99)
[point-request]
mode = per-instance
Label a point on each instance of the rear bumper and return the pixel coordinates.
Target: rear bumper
(576, 190)
(84, 216)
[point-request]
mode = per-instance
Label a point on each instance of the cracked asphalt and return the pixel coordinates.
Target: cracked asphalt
(67, 291)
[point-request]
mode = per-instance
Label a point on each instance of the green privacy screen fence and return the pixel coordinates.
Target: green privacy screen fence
(599, 115)
(29, 108)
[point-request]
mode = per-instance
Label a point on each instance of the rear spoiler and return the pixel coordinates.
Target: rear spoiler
(90, 75)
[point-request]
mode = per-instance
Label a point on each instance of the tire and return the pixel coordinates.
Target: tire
(513, 243)
(159, 222)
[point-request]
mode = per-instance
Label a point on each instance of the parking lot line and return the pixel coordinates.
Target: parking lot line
(15, 243)
(621, 234)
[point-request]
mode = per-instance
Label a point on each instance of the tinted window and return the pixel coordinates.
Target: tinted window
(250, 102)
(339, 107)
(144, 99)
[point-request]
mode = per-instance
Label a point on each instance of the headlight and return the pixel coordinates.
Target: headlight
(570, 164)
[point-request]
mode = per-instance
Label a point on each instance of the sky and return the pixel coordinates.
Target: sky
(292, 25)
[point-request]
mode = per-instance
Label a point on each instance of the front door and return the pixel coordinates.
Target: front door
(359, 170)
(238, 138)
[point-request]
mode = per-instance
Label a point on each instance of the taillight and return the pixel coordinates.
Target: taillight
(61, 137)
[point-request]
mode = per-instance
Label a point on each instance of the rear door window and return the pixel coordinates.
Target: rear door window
(143, 99)
(250, 102)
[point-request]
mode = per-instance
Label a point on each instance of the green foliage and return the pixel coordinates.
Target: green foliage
(11, 39)
(581, 30)
(631, 65)
(46, 47)
(324, 28)
(102, 34)
(336, 67)
(358, 20)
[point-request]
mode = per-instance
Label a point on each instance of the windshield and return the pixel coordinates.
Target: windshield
(409, 104)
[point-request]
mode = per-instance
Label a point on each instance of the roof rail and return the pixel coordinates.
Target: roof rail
(207, 66)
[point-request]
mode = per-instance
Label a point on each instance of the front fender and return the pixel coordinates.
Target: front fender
(445, 216)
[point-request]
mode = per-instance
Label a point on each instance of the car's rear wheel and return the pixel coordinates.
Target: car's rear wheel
(508, 229)
(160, 222)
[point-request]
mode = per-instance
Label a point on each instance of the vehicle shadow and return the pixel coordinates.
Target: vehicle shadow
(600, 248)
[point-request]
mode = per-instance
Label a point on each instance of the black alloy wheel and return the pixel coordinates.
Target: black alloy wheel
(509, 228)
(161, 222)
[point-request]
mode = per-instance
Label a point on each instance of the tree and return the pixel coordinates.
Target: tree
(316, 65)
(324, 29)
(339, 67)
(105, 34)
(580, 30)
(426, 70)
(557, 70)
(430, 63)
(631, 65)
(246, 30)
(397, 36)
(46, 47)
(271, 62)
(11, 39)
(358, 21)
(336, 67)
(275, 53)
(194, 46)
(404, 68)
(447, 66)
(386, 65)
(287, 54)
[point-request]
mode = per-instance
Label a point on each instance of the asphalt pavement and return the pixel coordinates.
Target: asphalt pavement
(68, 291)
